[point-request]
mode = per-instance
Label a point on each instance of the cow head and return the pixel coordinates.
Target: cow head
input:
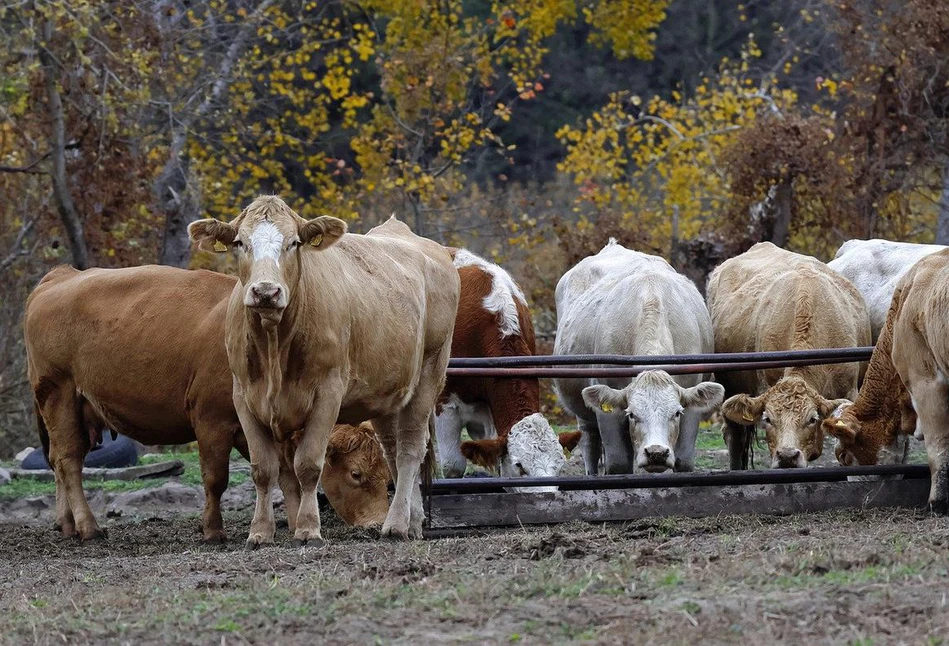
(530, 449)
(269, 238)
(653, 404)
(355, 476)
(881, 439)
(790, 412)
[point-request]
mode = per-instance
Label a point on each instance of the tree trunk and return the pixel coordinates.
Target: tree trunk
(942, 224)
(781, 212)
(61, 195)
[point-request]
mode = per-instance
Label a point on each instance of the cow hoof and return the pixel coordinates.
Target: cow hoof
(395, 534)
(96, 534)
(315, 541)
(217, 537)
(939, 507)
(256, 542)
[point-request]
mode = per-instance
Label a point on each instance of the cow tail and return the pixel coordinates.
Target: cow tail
(41, 429)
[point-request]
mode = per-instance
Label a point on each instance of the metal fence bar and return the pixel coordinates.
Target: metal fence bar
(632, 371)
(852, 354)
(632, 481)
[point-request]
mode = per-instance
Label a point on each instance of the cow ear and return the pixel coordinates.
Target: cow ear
(212, 235)
(840, 429)
(322, 232)
(604, 398)
(485, 453)
(832, 407)
(568, 441)
(703, 397)
(743, 409)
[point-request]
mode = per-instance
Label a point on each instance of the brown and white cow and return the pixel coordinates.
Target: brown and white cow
(140, 351)
(493, 321)
(324, 325)
(770, 299)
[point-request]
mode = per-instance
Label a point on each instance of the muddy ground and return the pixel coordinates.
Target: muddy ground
(852, 577)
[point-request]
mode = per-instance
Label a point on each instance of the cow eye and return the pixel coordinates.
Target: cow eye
(238, 244)
(676, 415)
(632, 417)
(520, 468)
(295, 244)
(765, 419)
(356, 475)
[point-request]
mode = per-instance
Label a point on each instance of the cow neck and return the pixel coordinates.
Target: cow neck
(274, 344)
(882, 387)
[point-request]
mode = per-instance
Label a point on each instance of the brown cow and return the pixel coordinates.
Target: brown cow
(770, 299)
(355, 477)
(493, 321)
(324, 326)
(139, 351)
(881, 416)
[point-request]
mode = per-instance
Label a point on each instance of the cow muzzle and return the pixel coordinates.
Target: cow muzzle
(788, 458)
(265, 295)
(656, 459)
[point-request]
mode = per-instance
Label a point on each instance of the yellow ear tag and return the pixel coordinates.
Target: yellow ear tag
(840, 424)
(747, 419)
(317, 240)
(606, 408)
(219, 246)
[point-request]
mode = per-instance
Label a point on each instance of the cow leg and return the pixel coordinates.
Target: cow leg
(289, 485)
(406, 513)
(932, 397)
(308, 463)
(685, 444)
(738, 442)
(215, 466)
(68, 445)
(591, 445)
(448, 434)
(264, 468)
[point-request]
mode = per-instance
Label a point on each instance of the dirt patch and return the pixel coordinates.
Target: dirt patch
(841, 577)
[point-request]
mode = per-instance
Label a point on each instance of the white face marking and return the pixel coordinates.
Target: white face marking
(655, 422)
(266, 242)
(533, 444)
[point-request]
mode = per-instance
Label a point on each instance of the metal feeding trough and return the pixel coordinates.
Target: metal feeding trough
(485, 502)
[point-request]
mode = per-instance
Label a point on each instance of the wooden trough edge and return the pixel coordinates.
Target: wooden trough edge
(157, 470)
(453, 511)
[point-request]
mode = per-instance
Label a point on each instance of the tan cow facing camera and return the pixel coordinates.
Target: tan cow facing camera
(324, 325)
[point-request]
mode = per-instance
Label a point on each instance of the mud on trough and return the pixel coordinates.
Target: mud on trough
(846, 577)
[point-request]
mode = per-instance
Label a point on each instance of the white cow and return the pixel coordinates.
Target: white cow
(625, 302)
(875, 267)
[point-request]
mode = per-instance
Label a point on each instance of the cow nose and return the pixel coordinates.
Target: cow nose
(657, 453)
(265, 292)
(788, 457)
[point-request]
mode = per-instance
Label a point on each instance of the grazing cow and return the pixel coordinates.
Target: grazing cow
(876, 427)
(625, 302)
(139, 351)
(493, 321)
(921, 357)
(355, 476)
(875, 267)
(324, 326)
(769, 299)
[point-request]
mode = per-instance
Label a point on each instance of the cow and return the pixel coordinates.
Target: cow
(770, 299)
(355, 476)
(626, 302)
(493, 321)
(324, 326)
(875, 267)
(140, 351)
(920, 355)
(876, 427)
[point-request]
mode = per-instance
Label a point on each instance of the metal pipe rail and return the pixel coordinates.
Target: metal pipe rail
(833, 354)
(632, 481)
